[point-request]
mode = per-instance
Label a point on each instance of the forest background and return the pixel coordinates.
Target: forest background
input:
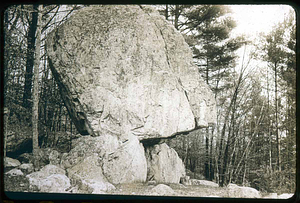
(253, 142)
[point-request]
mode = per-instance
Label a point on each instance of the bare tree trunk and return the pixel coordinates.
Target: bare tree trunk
(276, 121)
(207, 155)
(167, 12)
(30, 57)
(35, 93)
(186, 152)
(245, 170)
(269, 123)
(211, 172)
(176, 16)
(6, 114)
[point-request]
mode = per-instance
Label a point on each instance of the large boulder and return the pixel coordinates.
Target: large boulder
(123, 69)
(164, 164)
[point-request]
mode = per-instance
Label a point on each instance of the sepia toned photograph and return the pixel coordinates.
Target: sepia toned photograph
(150, 101)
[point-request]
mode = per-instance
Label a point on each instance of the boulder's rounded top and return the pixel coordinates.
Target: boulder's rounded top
(125, 70)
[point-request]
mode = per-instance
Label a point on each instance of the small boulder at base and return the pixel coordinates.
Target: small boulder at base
(54, 157)
(270, 196)
(203, 182)
(164, 164)
(25, 158)
(285, 196)
(49, 179)
(95, 187)
(10, 162)
(162, 190)
(185, 180)
(15, 172)
(26, 168)
(242, 192)
(55, 183)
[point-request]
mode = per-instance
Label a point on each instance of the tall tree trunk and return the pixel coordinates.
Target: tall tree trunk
(207, 176)
(176, 16)
(211, 172)
(167, 12)
(35, 107)
(6, 115)
(269, 124)
(276, 121)
(30, 57)
(5, 78)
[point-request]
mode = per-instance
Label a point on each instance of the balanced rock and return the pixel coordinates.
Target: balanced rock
(164, 164)
(123, 69)
(127, 77)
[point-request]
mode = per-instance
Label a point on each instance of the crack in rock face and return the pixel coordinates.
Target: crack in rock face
(127, 75)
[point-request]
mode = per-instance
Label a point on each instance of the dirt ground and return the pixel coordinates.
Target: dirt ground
(179, 189)
(21, 184)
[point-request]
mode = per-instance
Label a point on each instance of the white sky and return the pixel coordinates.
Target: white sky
(253, 19)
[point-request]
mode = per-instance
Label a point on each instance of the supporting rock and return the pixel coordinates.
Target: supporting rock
(163, 164)
(127, 164)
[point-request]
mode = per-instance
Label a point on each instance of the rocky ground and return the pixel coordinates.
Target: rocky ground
(22, 178)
